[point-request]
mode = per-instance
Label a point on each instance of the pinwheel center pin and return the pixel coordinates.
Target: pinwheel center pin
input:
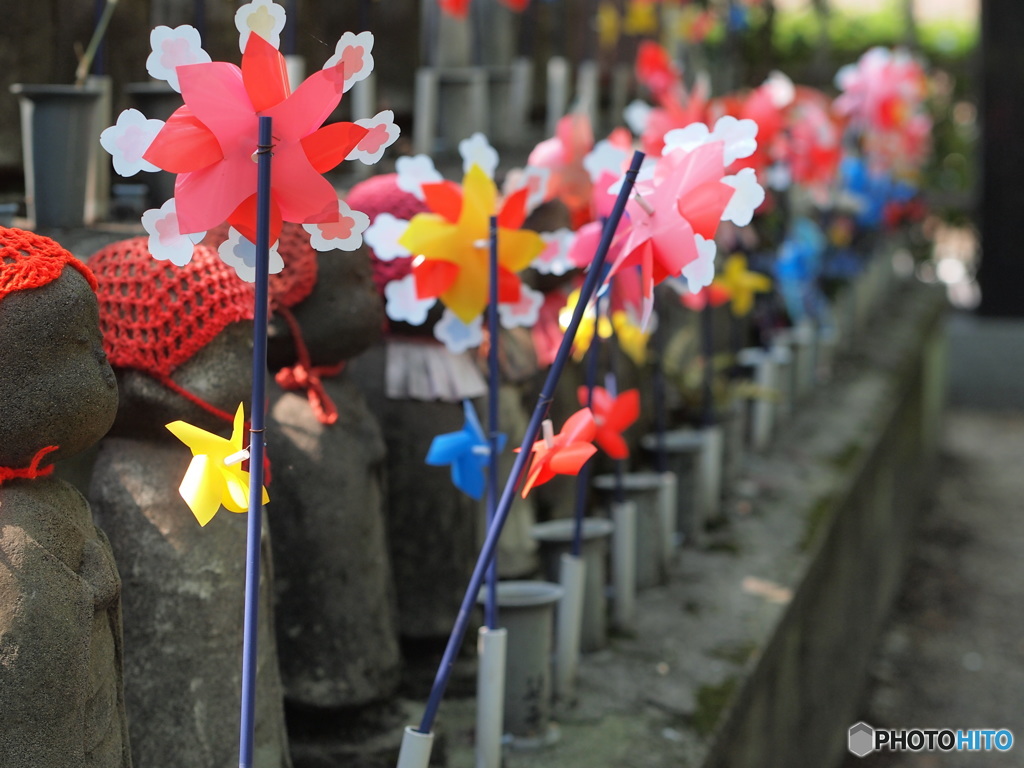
(237, 458)
(548, 431)
(648, 208)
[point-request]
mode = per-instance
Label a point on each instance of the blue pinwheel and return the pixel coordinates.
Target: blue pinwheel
(798, 268)
(468, 451)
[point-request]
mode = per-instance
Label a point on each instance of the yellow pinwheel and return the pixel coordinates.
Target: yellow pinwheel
(742, 284)
(452, 244)
(215, 477)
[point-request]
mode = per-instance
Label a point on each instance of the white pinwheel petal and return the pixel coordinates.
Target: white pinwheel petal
(383, 236)
(477, 150)
(701, 271)
(264, 17)
(166, 242)
(345, 234)
(413, 172)
(356, 52)
(402, 303)
(173, 48)
(524, 313)
(240, 254)
(382, 134)
(456, 335)
(748, 197)
(127, 141)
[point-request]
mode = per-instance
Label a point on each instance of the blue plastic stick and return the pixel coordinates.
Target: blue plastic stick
(532, 430)
(583, 479)
(256, 447)
(493, 383)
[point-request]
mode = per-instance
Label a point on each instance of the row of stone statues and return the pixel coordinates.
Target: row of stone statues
(363, 543)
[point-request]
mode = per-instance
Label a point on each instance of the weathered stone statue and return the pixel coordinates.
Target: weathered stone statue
(61, 695)
(336, 622)
(415, 386)
(179, 339)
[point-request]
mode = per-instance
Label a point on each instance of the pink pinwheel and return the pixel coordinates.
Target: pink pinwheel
(563, 156)
(684, 201)
(211, 142)
(564, 453)
(612, 416)
(676, 107)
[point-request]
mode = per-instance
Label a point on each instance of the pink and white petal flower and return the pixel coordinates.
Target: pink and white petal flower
(554, 259)
(240, 254)
(166, 242)
(534, 178)
(637, 114)
(700, 272)
(264, 17)
(173, 48)
(402, 303)
(739, 137)
(524, 313)
(345, 234)
(383, 236)
(413, 172)
(128, 139)
(748, 197)
(686, 139)
(356, 53)
(382, 134)
(604, 158)
(456, 335)
(476, 150)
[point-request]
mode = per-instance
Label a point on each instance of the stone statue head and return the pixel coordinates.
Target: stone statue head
(56, 386)
(179, 338)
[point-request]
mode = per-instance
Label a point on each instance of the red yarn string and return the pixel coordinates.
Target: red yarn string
(32, 471)
(304, 375)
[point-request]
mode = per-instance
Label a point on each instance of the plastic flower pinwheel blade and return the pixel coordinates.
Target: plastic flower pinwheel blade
(612, 416)
(452, 243)
(564, 453)
(210, 482)
(467, 451)
(210, 142)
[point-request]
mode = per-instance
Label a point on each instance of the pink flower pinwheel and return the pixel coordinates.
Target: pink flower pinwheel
(210, 142)
(612, 416)
(686, 198)
(563, 156)
(564, 453)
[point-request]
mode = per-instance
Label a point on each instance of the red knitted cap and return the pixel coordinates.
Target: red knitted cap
(28, 260)
(295, 282)
(155, 315)
(381, 194)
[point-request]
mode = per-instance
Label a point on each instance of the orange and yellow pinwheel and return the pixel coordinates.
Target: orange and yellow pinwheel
(451, 244)
(210, 481)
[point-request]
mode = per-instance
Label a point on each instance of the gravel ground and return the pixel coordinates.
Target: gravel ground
(952, 655)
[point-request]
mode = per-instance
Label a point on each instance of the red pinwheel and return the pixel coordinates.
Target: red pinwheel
(564, 453)
(686, 199)
(612, 416)
(209, 142)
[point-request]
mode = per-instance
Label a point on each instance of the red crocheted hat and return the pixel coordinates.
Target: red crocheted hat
(155, 315)
(295, 282)
(381, 194)
(28, 260)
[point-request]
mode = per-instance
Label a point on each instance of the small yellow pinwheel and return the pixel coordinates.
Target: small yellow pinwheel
(215, 477)
(742, 284)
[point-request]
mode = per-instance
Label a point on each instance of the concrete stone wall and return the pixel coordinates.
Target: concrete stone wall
(805, 691)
